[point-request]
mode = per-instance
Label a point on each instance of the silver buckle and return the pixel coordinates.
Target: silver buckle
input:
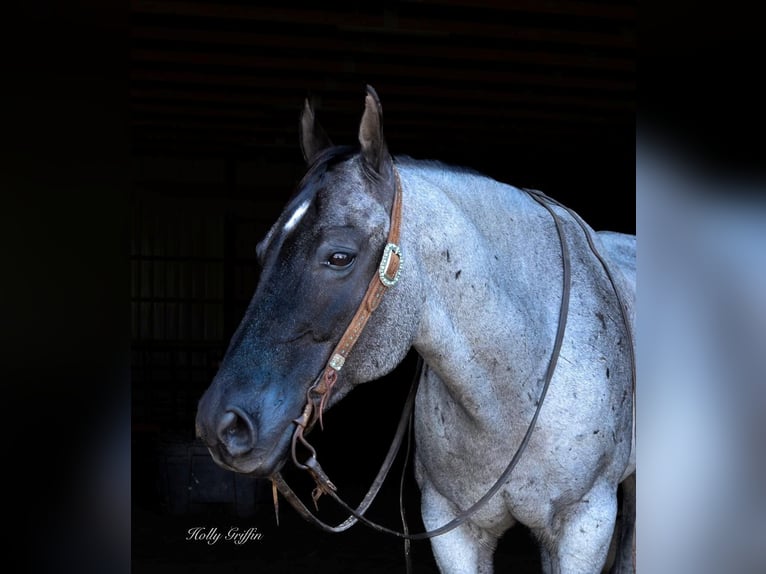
(389, 249)
(337, 361)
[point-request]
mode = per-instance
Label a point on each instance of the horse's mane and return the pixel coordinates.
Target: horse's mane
(447, 176)
(437, 165)
(329, 157)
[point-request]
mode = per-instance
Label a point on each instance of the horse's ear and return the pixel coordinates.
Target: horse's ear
(374, 149)
(313, 138)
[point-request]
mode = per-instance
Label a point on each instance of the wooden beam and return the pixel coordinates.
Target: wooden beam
(416, 102)
(611, 10)
(360, 42)
(327, 85)
(470, 71)
(377, 19)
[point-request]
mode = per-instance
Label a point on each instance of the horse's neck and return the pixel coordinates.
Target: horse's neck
(491, 267)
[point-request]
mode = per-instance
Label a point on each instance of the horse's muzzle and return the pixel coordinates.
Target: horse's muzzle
(232, 437)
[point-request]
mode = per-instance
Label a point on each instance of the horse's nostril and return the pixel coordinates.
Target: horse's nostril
(236, 432)
(228, 421)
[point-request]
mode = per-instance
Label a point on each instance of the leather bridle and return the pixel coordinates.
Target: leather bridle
(319, 392)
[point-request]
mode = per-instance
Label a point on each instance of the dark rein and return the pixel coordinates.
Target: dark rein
(318, 393)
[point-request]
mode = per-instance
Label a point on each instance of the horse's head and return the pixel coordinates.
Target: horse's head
(317, 261)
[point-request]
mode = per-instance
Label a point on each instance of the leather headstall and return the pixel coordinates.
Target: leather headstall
(319, 392)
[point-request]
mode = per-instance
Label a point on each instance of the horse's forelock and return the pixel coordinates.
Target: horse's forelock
(306, 193)
(323, 162)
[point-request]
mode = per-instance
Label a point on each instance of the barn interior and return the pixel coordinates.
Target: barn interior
(536, 94)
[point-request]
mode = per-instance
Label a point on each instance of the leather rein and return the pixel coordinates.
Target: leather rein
(318, 393)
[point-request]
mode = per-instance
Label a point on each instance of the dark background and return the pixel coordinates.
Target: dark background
(538, 95)
(148, 146)
(68, 170)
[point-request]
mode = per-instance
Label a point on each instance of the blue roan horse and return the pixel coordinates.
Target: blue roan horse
(479, 298)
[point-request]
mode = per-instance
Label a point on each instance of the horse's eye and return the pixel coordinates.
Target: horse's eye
(340, 260)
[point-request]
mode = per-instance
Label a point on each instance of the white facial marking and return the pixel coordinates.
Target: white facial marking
(296, 216)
